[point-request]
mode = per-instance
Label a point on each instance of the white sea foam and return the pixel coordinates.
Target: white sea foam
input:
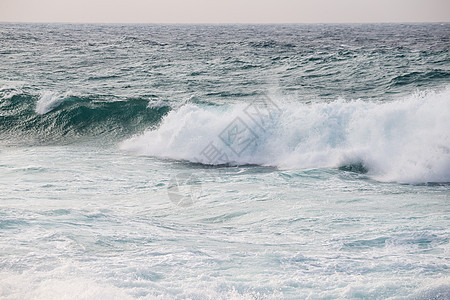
(49, 101)
(406, 140)
(30, 286)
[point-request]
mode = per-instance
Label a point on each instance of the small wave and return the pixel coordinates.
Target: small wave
(418, 77)
(405, 141)
(8, 91)
(271, 44)
(103, 77)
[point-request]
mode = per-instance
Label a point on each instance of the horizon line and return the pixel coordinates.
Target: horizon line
(222, 23)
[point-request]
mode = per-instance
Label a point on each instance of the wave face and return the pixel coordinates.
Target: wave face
(406, 141)
(56, 117)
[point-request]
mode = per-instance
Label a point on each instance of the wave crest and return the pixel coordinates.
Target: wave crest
(49, 101)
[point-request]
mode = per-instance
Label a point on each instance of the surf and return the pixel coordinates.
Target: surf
(405, 140)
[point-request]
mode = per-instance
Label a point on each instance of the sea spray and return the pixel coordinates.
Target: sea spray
(406, 140)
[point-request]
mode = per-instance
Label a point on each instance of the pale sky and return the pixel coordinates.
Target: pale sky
(224, 11)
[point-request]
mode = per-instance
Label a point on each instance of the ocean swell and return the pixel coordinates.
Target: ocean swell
(55, 117)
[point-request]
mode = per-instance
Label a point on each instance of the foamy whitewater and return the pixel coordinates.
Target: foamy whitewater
(224, 161)
(404, 141)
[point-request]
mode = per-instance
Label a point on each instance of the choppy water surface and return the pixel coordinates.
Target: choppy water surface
(234, 161)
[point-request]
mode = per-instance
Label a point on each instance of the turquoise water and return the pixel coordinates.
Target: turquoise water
(217, 162)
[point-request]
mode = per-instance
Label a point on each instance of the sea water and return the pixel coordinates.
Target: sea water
(224, 161)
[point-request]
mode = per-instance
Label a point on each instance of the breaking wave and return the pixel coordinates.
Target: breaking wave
(406, 140)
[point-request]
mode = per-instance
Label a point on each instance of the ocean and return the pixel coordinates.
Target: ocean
(147, 161)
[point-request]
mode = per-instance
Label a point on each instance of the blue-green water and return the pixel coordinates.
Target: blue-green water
(224, 161)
